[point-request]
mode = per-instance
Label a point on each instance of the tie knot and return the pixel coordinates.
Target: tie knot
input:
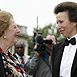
(22, 60)
(72, 41)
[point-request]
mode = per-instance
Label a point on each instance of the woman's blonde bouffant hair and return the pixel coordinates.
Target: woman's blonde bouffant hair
(4, 21)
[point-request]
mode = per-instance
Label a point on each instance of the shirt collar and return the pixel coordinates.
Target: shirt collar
(74, 36)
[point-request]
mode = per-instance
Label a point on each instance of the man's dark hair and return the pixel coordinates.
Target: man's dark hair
(70, 7)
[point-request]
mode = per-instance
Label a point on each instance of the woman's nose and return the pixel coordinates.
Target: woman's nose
(18, 30)
(58, 26)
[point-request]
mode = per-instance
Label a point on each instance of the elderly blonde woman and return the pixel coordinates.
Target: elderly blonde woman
(9, 66)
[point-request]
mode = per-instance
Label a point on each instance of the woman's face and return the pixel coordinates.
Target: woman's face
(67, 28)
(12, 32)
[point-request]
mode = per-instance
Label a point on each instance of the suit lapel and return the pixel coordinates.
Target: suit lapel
(58, 59)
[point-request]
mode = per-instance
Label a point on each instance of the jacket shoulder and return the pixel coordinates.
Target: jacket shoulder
(60, 44)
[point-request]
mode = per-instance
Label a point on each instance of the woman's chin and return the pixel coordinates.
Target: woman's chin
(15, 41)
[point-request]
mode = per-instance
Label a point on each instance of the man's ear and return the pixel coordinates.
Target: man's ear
(75, 24)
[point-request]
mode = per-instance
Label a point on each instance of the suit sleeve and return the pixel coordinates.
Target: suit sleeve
(32, 64)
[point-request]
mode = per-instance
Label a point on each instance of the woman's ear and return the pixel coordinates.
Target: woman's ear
(4, 37)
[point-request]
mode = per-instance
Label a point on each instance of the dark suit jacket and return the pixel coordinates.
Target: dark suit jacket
(56, 60)
(2, 73)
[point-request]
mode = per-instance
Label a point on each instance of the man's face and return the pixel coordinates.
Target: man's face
(52, 37)
(19, 49)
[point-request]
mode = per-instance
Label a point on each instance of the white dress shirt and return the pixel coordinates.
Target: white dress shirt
(25, 57)
(67, 59)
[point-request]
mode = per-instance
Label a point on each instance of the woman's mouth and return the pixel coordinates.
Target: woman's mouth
(61, 31)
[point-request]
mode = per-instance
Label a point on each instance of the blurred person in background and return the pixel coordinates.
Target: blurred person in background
(9, 65)
(39, 65)
(64, 56)
(19, 53)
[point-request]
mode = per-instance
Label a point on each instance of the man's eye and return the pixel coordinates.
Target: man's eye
(19, 47)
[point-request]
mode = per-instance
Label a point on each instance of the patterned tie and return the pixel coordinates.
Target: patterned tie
(72, 41)
(22, 60)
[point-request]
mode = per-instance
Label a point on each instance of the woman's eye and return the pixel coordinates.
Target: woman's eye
(60, 22)
(14, 27)
(56, 22)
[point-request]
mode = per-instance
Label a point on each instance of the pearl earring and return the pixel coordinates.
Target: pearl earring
(4, 37)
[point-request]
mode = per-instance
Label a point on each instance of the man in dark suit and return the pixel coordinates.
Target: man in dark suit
(64, 56)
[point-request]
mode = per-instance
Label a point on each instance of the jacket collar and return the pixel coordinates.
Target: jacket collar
(58, 58)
